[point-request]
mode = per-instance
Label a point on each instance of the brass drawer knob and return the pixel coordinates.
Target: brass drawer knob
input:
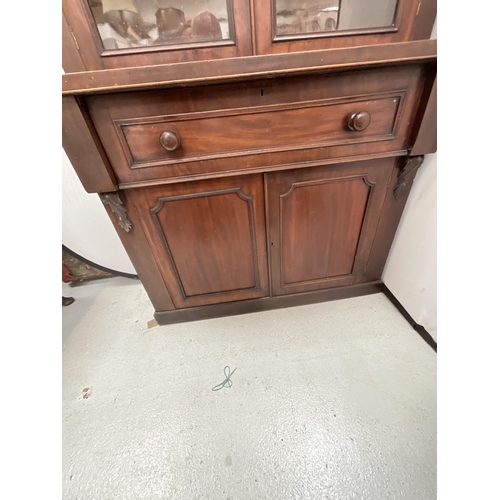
(359, 121)
(170, 140)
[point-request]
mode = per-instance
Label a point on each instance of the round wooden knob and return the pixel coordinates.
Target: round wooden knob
(359, 121)
(170, 140)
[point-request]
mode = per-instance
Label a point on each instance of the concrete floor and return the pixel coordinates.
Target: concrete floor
(329, 401)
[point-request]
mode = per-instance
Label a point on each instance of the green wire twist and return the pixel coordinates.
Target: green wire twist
(227, 382)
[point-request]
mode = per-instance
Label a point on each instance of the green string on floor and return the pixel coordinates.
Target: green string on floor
(227, 382)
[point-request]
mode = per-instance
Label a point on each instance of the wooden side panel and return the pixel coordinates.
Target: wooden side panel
(71, 58)
(394, 203)
(208, 238)
(322, 223)
(84, 150)
(424, 20)
(141, 255)
(426, 137)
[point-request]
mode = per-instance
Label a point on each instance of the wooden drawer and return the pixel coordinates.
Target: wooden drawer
(227, 129)
(245, 131)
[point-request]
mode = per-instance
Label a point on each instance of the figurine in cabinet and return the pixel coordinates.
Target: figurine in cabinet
(171, 24)
(205, 26)
(123, 17)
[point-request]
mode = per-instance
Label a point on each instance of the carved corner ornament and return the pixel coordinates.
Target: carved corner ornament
(412, 164)
(114, 202)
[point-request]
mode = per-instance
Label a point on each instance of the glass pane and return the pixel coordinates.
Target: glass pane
(123, 24)
(313, 16)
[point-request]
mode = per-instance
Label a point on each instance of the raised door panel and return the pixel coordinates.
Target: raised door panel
(322, 223)
(112, 34)
(208, 238)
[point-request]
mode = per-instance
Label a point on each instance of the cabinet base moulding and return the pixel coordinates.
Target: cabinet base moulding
(266, 303)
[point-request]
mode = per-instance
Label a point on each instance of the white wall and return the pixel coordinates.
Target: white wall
(86, 228)
(411, 269)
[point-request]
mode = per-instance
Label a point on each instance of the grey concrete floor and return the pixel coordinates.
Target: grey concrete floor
(329, 401)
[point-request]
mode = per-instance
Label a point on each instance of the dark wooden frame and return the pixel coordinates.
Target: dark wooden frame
(81, 25)
(180, 46)
(392, 28)
(84, 148)
(71, 59)
(424, 139)
(267, 42)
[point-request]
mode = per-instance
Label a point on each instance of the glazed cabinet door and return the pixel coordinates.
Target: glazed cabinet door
(208, 238)
(126, 33)
(300, 25)
(322, 222)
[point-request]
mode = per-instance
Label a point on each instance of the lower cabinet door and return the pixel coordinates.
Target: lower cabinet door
(208, 238)
(322, 222)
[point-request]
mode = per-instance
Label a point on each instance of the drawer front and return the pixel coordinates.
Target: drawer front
(224, 129)
(246, 131)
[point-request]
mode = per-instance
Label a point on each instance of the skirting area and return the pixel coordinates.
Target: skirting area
(334, 400)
